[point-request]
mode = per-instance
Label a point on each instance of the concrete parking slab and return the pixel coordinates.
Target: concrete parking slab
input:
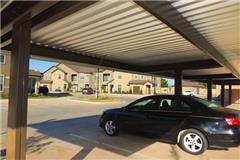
(90, 142)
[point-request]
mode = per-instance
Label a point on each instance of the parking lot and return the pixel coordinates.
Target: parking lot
(61, 128)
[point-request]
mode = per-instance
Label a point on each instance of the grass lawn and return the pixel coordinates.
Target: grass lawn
(40, 96)
(94, 99)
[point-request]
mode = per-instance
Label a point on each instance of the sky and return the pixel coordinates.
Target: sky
(40, 65)
(45, 65)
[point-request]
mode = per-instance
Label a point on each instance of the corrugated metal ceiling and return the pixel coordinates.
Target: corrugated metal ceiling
(118, 30)
(218, 21)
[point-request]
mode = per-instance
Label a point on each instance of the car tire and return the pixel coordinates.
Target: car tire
(193, 142)
(111, 127)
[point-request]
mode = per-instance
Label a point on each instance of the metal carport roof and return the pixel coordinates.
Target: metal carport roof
(141, 34)
(191, 39)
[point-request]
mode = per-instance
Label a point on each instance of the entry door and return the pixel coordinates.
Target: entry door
(132, 120)
(171, 114)
(136, 89)
(135, 115)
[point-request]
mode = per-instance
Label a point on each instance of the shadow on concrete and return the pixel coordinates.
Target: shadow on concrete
(38, 143)
(85, 132)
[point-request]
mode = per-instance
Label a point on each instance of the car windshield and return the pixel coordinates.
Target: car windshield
(207, 103)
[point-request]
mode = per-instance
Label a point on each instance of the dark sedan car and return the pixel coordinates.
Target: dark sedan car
(87, 91)
(193, 123)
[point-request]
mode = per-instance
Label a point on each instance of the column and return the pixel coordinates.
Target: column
(230, 94)
(209, 90)
(222, 94)
(17, 108)
(178, 82)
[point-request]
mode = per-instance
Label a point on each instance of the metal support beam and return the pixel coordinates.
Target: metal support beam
(212, 76)
(201, 64)
(42, 51)
(230, 94)
(209, 90)
(42, 13)
(168, 14)
(222, 81)
(17, 108)
(222, 94)
(178, 82)
(18, 9)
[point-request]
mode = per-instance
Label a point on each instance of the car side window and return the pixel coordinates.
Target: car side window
(145, 104)
(173, 104)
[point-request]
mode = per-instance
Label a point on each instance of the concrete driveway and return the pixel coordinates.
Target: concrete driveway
(64, 129)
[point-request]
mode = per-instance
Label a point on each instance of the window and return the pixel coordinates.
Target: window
(106, 77)
(119, 75)
(59, 87)
(1, 83)
(59, 76)
(145, 104)
(135, 77)
(206, 103)
(2, 59)
(173, 104)
(119, 88)
(96, 76)
(65, 86)
(82, 76)
(81, 86)
(74, 87)
(74, 77)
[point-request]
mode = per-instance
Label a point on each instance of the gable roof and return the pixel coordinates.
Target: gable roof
(81, 69)
(57, 68)
(142, 82)
(34, 73)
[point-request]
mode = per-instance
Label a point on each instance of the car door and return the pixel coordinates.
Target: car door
(134, 117)
(170, 115)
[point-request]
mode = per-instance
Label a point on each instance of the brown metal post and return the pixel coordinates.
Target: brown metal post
(222, 94)
(209, 90)
(178, 82)
(17, 108)
(230, 94)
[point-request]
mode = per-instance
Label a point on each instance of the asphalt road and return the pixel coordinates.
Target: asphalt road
(40, 110)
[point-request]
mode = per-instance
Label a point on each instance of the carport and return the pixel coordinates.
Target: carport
(195, 40)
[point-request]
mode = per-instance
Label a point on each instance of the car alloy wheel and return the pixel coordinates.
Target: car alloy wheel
(193, 141)
(110, 128)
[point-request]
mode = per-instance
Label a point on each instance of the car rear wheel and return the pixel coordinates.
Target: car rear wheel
(193, 142)
(111, 127)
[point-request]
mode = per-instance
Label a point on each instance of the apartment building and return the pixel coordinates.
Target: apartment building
(66, 77)
(122, 82)
(5, 63)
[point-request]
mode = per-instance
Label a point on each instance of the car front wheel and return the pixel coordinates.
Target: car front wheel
(193, 142)
(111, 127)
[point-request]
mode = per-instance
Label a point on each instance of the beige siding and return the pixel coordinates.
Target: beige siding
(5, 71)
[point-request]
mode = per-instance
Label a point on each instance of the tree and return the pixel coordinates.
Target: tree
(164, 83)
